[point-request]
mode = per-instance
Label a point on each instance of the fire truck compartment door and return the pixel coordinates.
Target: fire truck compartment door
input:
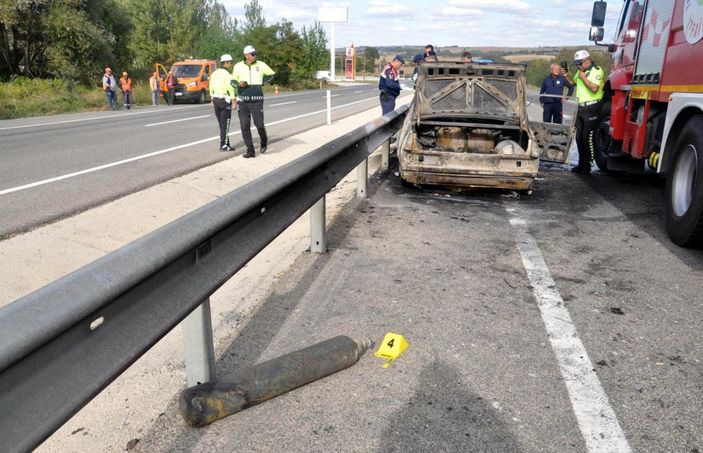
(653, 41)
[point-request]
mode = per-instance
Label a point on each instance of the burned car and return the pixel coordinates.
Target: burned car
(468, 127)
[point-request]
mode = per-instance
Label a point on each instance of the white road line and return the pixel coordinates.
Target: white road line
(125, 115)
(357, 92)
(177, 121)
(156, 153)
(283, 103)
(332, 96)
(596, 418)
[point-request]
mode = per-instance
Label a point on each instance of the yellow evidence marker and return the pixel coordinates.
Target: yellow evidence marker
(391, 347)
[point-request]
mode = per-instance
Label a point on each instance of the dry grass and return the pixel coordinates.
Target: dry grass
(523, 58)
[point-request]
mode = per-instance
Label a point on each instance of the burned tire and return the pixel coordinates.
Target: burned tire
(684, 187)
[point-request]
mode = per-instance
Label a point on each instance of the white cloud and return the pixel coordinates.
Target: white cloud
(454, 11)
(495, 5)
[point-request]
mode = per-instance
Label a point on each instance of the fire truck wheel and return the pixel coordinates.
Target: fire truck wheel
(684, 187)
(602, 140)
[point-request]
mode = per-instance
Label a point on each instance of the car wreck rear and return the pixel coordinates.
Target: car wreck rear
(468, 127)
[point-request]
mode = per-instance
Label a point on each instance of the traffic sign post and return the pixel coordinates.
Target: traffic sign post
(332, 14)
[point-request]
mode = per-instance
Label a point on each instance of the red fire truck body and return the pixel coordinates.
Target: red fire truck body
(654, 105)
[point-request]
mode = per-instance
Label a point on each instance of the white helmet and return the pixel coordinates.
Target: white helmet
(581, 55)
(249, 49)
(226, 57)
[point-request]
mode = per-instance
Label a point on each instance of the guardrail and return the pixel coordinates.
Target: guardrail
(64, 343)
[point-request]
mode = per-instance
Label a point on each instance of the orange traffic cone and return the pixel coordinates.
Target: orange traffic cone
(275, 90)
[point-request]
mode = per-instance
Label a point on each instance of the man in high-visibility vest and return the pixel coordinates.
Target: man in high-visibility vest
(589, 92)
(250, 75)
(222, 93)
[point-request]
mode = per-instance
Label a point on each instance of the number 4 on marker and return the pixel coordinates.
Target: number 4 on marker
(392, 346)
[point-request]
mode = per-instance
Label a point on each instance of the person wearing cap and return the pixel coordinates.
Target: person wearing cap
(222, 94)
(250, 75)
(389, 85)
(466, 57)
(589, 93)
(552, 94)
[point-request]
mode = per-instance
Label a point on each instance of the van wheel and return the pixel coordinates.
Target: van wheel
(202, 98)
(684, 187)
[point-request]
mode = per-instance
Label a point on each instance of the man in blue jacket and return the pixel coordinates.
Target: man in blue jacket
(389, 85)
(553, 86)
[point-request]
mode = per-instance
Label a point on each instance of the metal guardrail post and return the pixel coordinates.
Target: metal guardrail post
(362, 175)
(198, 347)
(385, 154)
(318, 229)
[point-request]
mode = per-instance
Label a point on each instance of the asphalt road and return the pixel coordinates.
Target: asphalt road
(563, 321)
(54, 167)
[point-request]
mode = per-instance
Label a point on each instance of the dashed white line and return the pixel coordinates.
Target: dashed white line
(283, 103)
(156, 153)
(596, 418)
(357, 92)
(177, 121)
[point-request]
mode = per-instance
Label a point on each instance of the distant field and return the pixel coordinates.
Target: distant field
(521, 58)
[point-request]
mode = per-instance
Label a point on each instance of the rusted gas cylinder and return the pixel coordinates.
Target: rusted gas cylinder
(205, 403)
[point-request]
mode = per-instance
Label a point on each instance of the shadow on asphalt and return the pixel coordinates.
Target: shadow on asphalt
(444, 415)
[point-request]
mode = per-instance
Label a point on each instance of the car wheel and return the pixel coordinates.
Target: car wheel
(684, 187)
(202, 98)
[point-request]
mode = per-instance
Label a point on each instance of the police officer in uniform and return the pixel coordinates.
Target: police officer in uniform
(250, 75)
(589, 92)
(223, 93)
(389, 85)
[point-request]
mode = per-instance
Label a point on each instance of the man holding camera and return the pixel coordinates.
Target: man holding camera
(589, 92)
(552, 94)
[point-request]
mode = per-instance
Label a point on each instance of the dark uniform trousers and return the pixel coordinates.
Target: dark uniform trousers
(247, 112)
(387, 102)
(587, 120)
(552, 112)
(223, 112)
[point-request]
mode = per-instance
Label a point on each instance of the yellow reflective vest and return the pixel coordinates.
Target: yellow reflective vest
(255, 75)
(221, 84)
(584, 94)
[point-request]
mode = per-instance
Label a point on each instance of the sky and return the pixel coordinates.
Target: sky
(464, 23)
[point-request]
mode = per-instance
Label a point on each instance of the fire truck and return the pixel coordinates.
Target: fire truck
(653, 104)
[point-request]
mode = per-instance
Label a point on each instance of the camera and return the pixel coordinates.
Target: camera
(565, 66)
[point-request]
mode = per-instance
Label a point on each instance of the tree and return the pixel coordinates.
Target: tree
(77, 47)
(314, 52)
(22, 42)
